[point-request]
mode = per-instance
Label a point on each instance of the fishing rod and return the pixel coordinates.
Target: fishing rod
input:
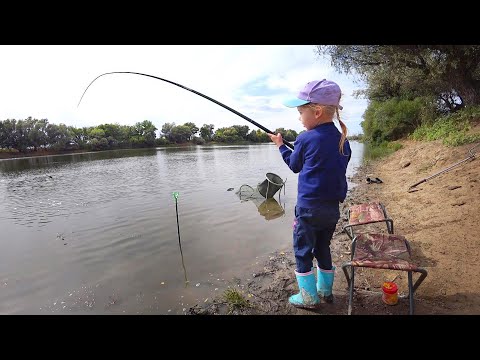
(470, 156)
(195, 92)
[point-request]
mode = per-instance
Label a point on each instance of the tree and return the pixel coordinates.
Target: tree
(227, 135)
(147, 130)
(193, 129)
(8, 134)
(79, 135)
(21, 135)
(180, 134)
(262, 136)
(252, 136)
(96, 133)
(449, 72)
(58, 136)
(281, 131)
(38, 133)
(167, 129)
(242, 131)
(111, 130)
(3, 136)
(291, 135)
(206, 132)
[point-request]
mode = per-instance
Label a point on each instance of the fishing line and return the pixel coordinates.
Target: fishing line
(175, 196)
(195, 92)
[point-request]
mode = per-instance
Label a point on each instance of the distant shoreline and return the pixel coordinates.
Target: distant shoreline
(20, 155)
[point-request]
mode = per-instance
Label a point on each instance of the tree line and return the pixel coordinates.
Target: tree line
(38, 134)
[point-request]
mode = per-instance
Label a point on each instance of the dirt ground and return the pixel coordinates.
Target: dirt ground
(440, 219)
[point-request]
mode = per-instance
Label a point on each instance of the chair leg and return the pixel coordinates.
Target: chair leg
(413, 287)
(350, 279)
(422, 277)
(390, 226)
(410, 292)
(388, 221)
(350, 295)
(350, 283)
(350, 290)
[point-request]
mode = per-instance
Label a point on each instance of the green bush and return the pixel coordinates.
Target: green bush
(395, 118)
(452, 129)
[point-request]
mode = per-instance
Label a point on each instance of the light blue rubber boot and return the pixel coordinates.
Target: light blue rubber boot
(325, 283)
(307, 298)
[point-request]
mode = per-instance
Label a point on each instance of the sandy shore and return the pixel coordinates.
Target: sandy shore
(440, 219)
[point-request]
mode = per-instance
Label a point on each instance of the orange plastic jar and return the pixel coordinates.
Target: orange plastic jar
(390, 296)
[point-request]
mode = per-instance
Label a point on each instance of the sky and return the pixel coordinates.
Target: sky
(47, 82)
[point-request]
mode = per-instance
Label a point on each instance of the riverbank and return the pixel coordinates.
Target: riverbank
(19, 155)
(440, 219)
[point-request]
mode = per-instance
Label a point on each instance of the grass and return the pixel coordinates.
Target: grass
(235, 300)
(453, 129)
(4, 150)
(374, 151)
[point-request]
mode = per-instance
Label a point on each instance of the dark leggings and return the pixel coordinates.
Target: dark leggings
(312, 232)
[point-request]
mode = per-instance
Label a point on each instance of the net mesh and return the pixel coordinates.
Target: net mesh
(248, 193)
(269, 208)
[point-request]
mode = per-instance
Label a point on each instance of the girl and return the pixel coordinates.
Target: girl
(321, 158)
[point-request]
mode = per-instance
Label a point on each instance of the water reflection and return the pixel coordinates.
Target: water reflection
(270, 209)
(55, 161)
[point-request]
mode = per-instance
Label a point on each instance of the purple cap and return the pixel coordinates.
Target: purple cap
(323, 92)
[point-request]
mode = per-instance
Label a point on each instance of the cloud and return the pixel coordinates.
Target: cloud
(48, 81)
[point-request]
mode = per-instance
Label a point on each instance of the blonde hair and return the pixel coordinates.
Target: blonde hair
(331, 110)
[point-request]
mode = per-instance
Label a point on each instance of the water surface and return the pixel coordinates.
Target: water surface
(96, 233)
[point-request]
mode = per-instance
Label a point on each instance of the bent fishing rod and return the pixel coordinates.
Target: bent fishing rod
(195, 92)
(471, 156)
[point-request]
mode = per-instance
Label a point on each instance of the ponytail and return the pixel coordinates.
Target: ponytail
(344, 132)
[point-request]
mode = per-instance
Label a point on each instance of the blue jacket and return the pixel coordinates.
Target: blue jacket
(320, 165)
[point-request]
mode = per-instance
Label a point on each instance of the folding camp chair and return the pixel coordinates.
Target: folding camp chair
(367, 213)
(382, 251)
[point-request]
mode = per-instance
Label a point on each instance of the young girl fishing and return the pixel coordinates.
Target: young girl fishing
(321, 158)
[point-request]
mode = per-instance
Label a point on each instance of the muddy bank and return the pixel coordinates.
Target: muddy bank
(440, 219)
